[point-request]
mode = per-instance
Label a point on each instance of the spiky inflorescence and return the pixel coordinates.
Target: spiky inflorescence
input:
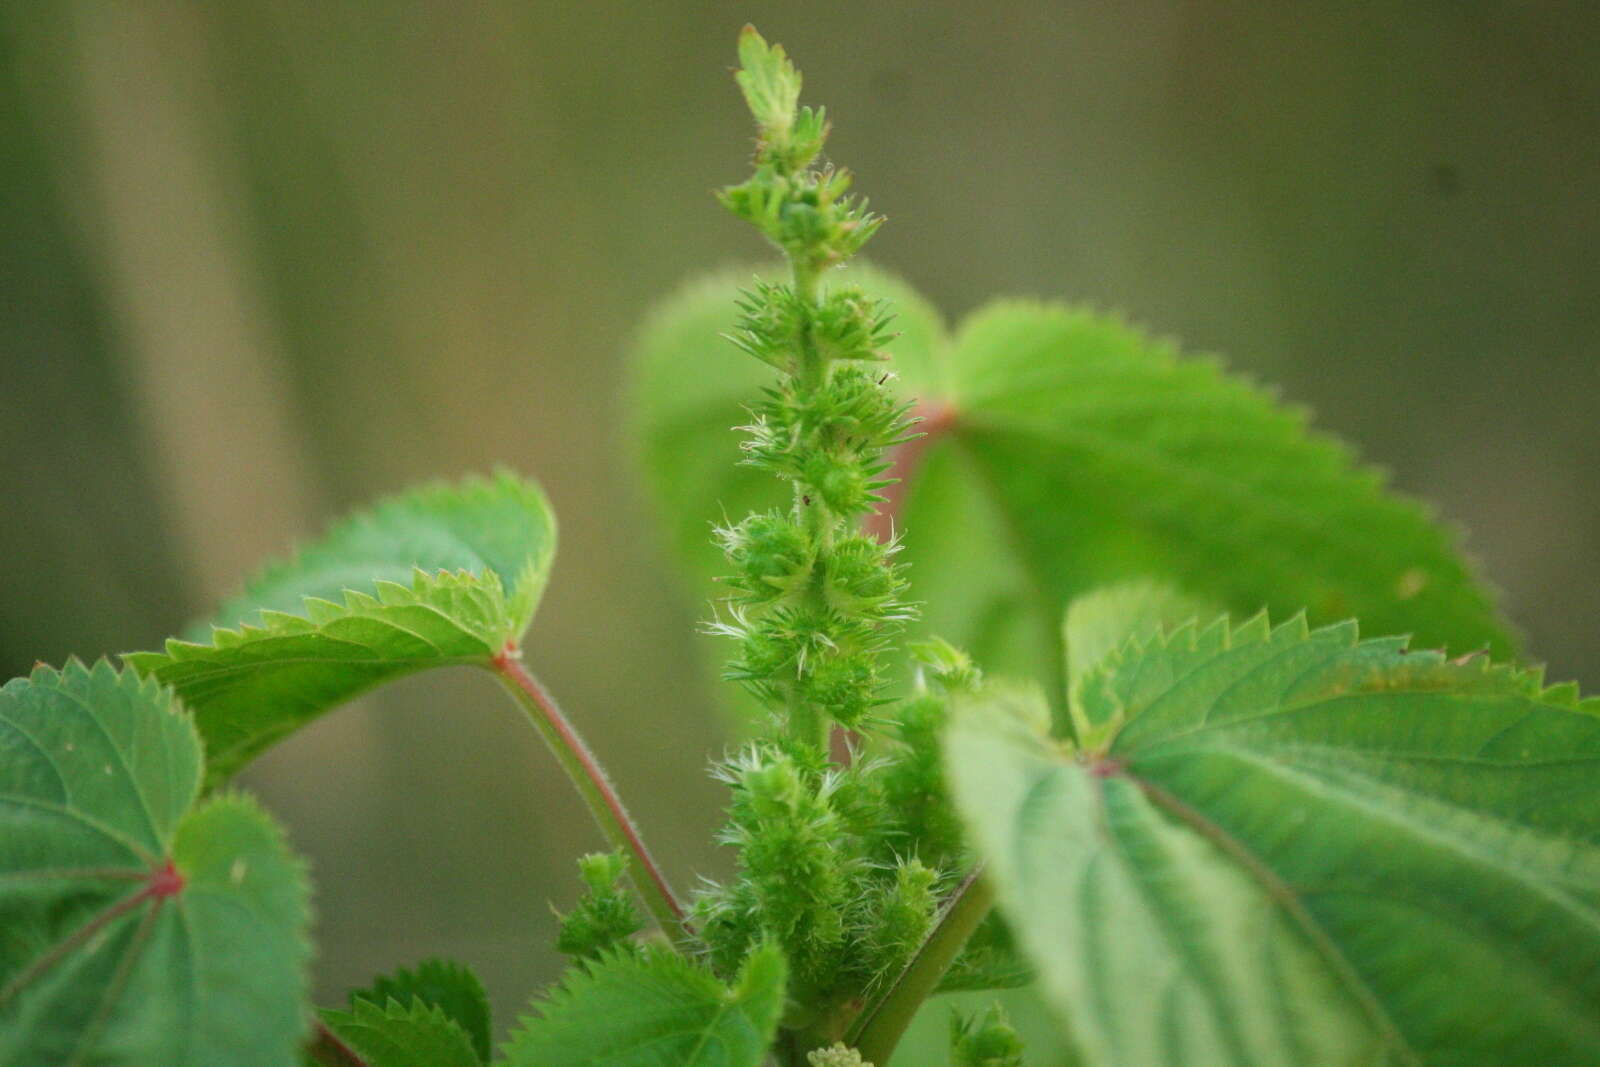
(923, 821)
(812, 602)
(824, 870)
(605, 916)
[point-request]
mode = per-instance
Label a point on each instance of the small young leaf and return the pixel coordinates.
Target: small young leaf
(135, 928)
(984, 1041)
(770, 84)
(445, 985)
(1292, 847)
(418, 1034)
(434, 577)
(989, 960)
(605, 916)
(653, 1008)
(1100, 623)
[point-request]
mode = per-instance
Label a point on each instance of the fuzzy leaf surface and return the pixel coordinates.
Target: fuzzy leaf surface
(1068, 452)
(103, 958)
(439, 576)
(443, 984)
(1294, 847)
(417, 1034)
(653, 1008)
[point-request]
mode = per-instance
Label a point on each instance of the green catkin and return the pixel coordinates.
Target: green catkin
(912, 780)
(902, 917)
(812, 605)
(605, 916)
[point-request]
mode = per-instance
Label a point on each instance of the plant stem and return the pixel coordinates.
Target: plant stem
(805, 722)
(590, 779)
(881, 1026)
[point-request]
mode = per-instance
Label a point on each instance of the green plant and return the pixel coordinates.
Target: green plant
(1202, 840)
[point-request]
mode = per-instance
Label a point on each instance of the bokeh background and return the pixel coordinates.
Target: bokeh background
(262, 260)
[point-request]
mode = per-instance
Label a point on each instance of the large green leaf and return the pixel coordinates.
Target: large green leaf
(433, 577)
(1070, 451)
(653, 1008)
(136, 928)
(1293, 847)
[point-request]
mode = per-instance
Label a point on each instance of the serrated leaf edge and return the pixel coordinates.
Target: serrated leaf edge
(1166, 352)
(363, 1013)
(764, 964)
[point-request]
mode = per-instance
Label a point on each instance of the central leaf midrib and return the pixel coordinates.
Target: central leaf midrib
(103, 922)
(1184, 948)
(1396, 816)
(213, 672)
(1285, 897)
(119, 980)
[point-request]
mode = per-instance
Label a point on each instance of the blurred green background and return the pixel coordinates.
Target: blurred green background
(260, 261)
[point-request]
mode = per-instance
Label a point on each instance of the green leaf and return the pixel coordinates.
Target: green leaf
(1294, 847)
(400, 1035)
(653, 1008)
(434, 577)
(1068, 451)
(136, 928)
(1111, 457)
(443, 984)
(770, 84)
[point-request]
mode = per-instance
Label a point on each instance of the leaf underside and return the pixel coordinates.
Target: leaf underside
(1069, 452)
(653, 1008)
(1294, 847)
(435, 577)
(104, 958)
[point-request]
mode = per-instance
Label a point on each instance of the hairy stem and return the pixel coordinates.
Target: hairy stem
(585, 773)
(884, 1022)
